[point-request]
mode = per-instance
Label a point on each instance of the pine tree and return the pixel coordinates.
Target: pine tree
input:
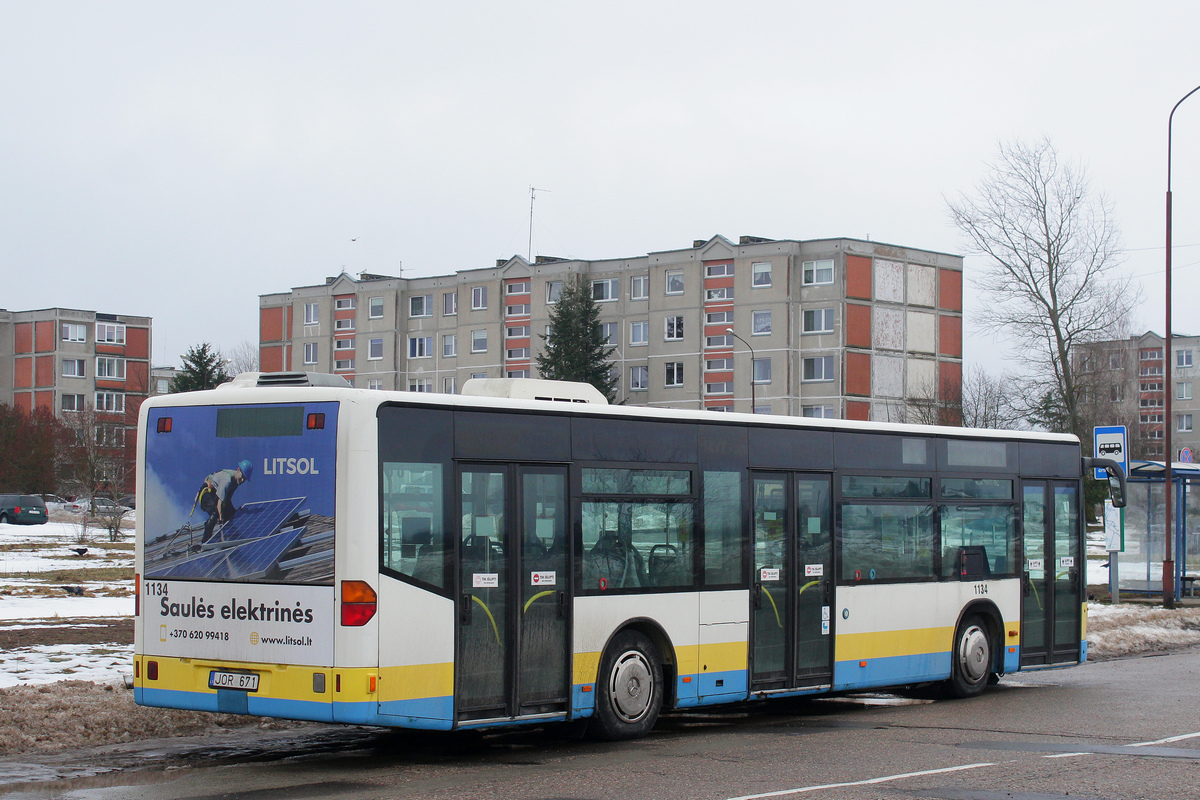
(203, 368)
(575, 349)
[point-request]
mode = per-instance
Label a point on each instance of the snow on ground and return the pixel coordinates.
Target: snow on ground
(105, 663)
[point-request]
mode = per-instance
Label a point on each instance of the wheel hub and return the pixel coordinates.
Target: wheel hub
(631, 686)
(974, 654)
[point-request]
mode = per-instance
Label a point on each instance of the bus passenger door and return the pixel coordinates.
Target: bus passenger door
(1051, 606)
(792, 584)
(512, 652)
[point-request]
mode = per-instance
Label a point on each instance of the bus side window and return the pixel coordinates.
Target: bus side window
(722, 528)
(414, 541)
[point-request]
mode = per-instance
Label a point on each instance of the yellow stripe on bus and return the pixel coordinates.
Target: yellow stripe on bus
(884, 644)
(417, 681)
(689, 660)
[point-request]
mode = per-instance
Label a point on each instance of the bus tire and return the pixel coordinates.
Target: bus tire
(629, 689)
(971, 659)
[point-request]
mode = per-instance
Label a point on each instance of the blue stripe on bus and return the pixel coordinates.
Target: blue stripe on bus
(424, 712)
(212, 701)
(1012, 659)
(891, 671)
(582, 703)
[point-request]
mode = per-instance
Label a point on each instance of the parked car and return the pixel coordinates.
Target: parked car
(129, 501)
(23, 509)
(97, 505)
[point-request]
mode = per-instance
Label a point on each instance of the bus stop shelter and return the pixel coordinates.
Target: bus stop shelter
(1140, 562)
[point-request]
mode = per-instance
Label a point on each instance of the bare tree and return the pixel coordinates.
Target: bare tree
(242, 357)
(990, 401)
(1053, 251)
(938, 402)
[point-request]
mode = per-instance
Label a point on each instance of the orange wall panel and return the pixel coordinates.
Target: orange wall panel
(22, 373)
(858, 325)
(950, 379)
(858, 373)
(23, 337)
(950, 335)
(858, 277)
(44, 371)
(858, 410)
(137, 342)
(270, 359)
(950, 286)
(137, 377)
(45, 335)
(44, 400)
(270, 324)
(23, 401)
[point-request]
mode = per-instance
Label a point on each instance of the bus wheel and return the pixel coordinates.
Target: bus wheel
(971, 660)
(630, 692)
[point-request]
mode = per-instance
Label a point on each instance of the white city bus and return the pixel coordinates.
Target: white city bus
(448, 562)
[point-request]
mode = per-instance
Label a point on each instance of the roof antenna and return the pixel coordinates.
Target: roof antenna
(529, 253)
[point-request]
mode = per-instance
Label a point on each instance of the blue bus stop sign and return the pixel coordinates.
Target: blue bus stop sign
(1111, 441)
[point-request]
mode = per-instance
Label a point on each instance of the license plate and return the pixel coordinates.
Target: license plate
(246, 682)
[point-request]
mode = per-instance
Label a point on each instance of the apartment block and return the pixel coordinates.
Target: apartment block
(72, 361)
(826, 328)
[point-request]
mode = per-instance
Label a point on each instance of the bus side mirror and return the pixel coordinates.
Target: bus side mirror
(1116, 478)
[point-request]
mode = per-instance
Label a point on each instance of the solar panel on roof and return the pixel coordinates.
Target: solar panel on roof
(255, 559)
(258, 519)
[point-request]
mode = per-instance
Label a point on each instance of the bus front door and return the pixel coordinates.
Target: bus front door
(512, 652)
(1051, 627)
(792, 584)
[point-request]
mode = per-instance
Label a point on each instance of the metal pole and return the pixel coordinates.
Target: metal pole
(753, 401)
(1168, 389)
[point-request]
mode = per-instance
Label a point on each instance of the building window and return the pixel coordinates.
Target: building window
(478, 298)
(478, 374)
(761, 323)
(73, 368)
(718, 295)
(819, 368)
(675, 282)
(1151, 355)
(553, 291)
(605, 290)
(818, 272)
(73, 402)
(1150, 402)
(375, 350)
(711, 342)
(1183, 391)
(674, 374)
(718, 364)
(164, 386)
(311, 314)
(1116, 393)
(517, 353)
(420, 346)
(719, 317)
(343, 324)
(1146, 372)
(1151, 387)
(344, 364)
(450, 385)
(818, 320)
(74, 333)
(760, 274)
(1185, 422)
(611, 331)
(516, 332)
(519, 310)
(518, 373)
(819, 412)
(110, 334)
(718, 270)
(639, 287)
(110, 368)
(449, 304)
(310, 352)
(520, 287)
(420, 385)
(343, 303)
(1115, 361)
(718, 388)
(375, 384)
(719, 409)
(478, 341)
(420, 305)
(343, 344)
(449, 345)
(639, 379)
(1183, 358)
(110, 401)
(375, 307)
(762, 370)
(674, 332)
(639, 332)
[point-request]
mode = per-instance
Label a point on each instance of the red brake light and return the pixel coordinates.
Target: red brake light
(164, 424)
(137, 595)
(151, 670)
(358, 603)
(316, 422)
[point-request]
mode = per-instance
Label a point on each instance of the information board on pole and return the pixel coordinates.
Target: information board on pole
(1110, 441)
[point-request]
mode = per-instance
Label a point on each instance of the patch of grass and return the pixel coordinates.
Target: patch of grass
(86, 574)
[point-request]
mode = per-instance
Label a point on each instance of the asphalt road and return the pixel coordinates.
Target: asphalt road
(1126, 729)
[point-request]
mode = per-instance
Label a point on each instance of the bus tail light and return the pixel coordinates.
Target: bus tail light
(137, 594)
(358, 603)
(151, 670)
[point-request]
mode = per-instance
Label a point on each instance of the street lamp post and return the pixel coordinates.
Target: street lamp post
(753, 401)
(1168, 420)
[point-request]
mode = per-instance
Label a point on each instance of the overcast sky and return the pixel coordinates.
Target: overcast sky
(177, 160)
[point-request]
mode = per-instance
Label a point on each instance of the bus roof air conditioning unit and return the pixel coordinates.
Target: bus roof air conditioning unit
(534, 389)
